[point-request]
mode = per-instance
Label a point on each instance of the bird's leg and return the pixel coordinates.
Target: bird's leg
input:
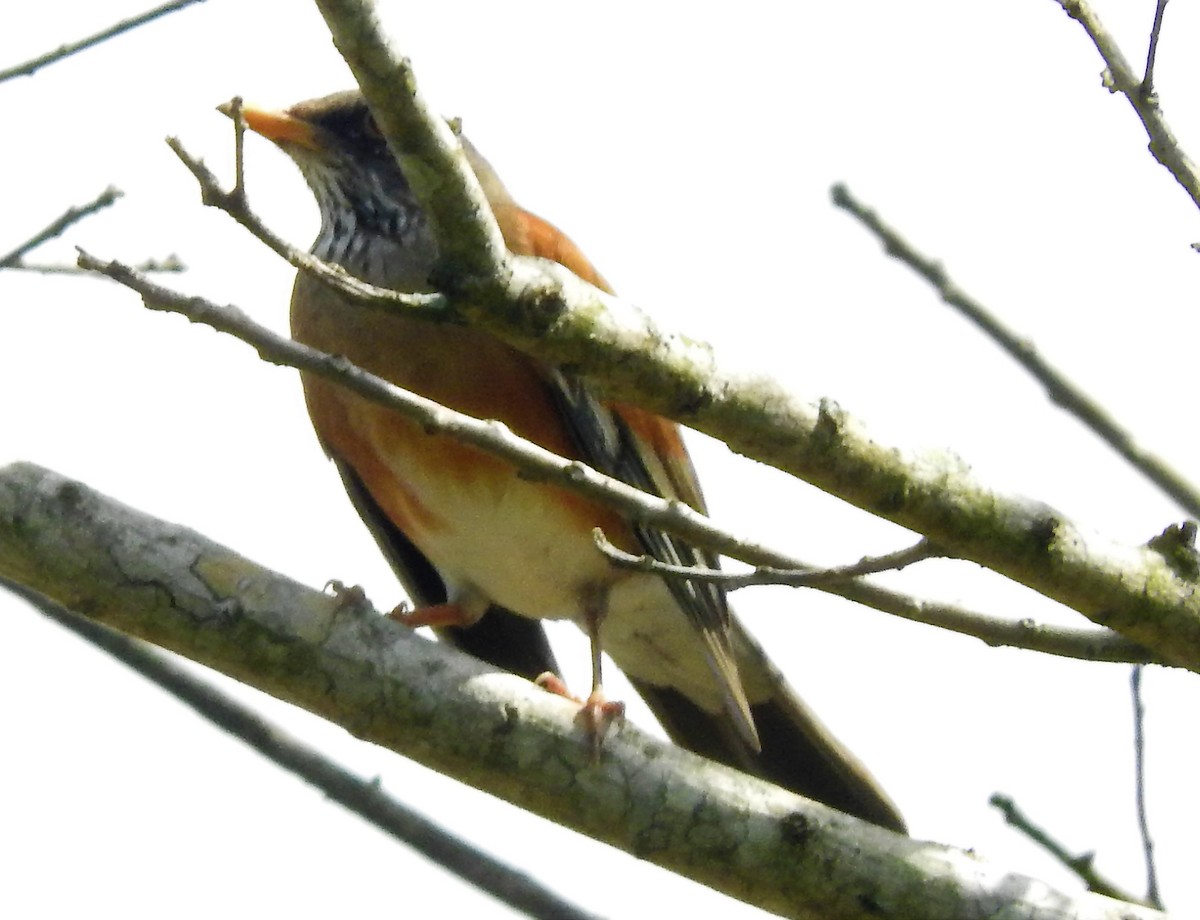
(448, 614)
(597, 711)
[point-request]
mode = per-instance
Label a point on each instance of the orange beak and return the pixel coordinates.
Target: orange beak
(279, 127)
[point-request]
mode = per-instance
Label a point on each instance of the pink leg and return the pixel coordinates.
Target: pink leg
(597, 711)
(434, 615)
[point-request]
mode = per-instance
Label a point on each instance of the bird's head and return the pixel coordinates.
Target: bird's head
(371, 222)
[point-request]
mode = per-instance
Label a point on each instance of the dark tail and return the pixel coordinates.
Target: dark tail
(798, 751)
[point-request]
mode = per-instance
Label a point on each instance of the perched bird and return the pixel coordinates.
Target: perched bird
(492, 553)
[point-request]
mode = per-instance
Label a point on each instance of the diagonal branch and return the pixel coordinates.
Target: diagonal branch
(1059, 388)
(526, 457)
(30, 67)
(734, 833)
(1119, 78)
(56, 227)
(469, 242)
(1082, 865)
(363, 797)
(675, 517)
(15, 260)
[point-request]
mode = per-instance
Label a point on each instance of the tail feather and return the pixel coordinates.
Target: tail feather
(797, 751)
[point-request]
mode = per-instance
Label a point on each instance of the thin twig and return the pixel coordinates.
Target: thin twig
(1119, 78)
(56, 227)
(1082, 643)
(234, 202)
(364, 798)
(765, 574)
(239, 148)
(1082, 865)
(32, 66)
(1059, 389)
(1153, 896)
(171, 264)
(1152, 53)
(847, 582)
(674, 517)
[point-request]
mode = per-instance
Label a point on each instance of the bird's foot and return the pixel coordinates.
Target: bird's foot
(597, 711)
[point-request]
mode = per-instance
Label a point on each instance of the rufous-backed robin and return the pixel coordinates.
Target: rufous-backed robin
(466, 534)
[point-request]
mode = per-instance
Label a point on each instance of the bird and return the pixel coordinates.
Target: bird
(490, 554)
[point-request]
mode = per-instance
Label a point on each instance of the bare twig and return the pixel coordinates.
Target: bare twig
(171, 264)
(1082, 865)
(1119, 78)
(765, 574)
(846, 581)
(1090, 644)
(363, 797)
(28, 68)
(732, 832)
(15, 260)
(1153, 897)
(1059, 389)
(1086, 644)
(1152, 52)
(56, 227)
(234, 110)
(234, 203)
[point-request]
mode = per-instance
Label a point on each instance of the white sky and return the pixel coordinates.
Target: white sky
(690, 154)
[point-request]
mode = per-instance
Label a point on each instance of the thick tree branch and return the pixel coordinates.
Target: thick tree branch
(494, 731)
(469, 242)
(363, 797)
(1059, 388)
(675, 517)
